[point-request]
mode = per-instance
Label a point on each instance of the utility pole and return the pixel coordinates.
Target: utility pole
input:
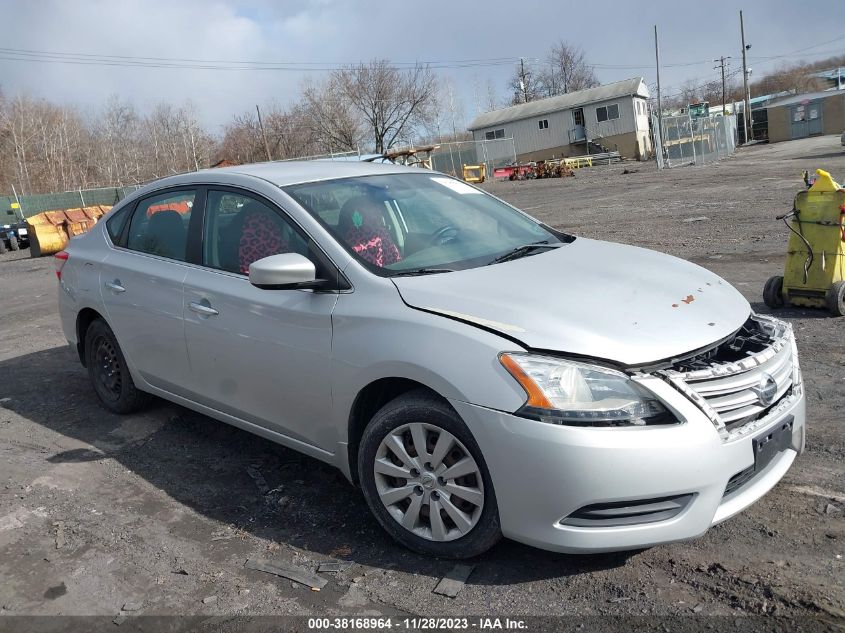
(746, 110)
(659, 105)
(722, 61)
(263, 135)
(522, 83)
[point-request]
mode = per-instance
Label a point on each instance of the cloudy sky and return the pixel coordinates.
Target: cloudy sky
(148, 41)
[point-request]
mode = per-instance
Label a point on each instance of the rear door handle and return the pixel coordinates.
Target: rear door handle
(201, 308)
(115, 286)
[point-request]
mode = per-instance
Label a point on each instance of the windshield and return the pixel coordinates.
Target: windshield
(427, 222)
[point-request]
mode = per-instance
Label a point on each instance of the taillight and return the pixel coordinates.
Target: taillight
(61, 260)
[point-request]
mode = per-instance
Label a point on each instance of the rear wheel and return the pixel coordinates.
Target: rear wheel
(108, 371)
(425, 479)
(2, 246)
(836, 299)
(773, 292)
(13, 243)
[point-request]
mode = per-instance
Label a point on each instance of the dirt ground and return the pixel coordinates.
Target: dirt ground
(157, 511)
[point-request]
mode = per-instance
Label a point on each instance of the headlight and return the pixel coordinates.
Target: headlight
(577, 394)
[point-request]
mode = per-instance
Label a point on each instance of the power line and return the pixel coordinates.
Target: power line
(18, 54)
(87, 59)
(800, 50)
(133, 61)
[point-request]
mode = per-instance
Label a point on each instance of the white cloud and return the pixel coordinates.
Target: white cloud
(333, 31)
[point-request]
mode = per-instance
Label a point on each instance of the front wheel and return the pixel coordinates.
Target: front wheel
(13, 243)
(425, 479)
(108, 371)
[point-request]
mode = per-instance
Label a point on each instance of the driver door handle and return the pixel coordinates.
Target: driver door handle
(201, 308)
(115, 286)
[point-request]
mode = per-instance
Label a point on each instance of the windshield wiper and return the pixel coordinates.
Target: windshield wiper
(421, 271)
(522, 251)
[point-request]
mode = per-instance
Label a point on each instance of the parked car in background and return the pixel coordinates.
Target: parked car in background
(474, 371)
(14, 236)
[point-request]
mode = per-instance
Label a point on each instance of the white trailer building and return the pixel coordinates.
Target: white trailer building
(613, 117)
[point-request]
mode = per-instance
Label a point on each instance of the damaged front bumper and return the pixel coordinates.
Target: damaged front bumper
(583, 490)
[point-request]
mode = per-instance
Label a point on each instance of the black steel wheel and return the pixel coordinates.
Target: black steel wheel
(108, 371)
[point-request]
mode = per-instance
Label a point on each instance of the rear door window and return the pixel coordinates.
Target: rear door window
(159, 225)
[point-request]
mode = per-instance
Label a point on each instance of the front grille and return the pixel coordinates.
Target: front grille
(628, 512)
(743, 379)
(738, 396)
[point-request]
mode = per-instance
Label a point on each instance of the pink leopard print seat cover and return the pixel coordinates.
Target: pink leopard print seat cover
(362, 227)
(261, 236)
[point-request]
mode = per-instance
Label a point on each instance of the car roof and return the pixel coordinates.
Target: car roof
(294, 172)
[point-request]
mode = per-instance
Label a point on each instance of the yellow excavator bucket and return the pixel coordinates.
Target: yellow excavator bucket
(49, 231)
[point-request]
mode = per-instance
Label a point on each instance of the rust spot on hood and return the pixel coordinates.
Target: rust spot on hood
(688, 299)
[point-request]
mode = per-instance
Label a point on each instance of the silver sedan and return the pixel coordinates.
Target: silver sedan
(475, 372)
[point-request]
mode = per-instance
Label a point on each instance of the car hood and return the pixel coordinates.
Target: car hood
(621, 303)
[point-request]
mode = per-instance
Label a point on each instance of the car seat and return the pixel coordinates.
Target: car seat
(261, 234)
(166, 235)
(361, 225)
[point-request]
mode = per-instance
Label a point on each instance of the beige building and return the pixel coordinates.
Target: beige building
(812, 114)
(614, 116)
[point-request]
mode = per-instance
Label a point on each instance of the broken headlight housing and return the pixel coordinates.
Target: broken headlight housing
(572, 393)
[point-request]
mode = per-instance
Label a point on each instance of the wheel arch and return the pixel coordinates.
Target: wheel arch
(367, 403)
(84, 318)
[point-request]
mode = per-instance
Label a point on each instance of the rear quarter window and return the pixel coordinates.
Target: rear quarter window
(116, 223)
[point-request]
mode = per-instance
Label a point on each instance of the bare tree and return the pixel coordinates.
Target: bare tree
(336, 125)
(566, 70)
(793, 78)
(450, 107)
(525, 84)
(392, 103)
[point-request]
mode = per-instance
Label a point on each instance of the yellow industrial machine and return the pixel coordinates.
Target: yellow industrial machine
(475, 173)
(814, 275)
(50, 231)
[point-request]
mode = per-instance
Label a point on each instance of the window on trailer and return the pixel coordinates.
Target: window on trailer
(606, 113)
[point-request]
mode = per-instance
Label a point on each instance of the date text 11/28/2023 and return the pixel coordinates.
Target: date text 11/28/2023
(416, 624)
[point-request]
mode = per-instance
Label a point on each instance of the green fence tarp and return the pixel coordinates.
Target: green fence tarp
(34, 204)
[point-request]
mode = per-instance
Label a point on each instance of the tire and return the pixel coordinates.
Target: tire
(13, 243)
(2, 246)
(836, 299)
(108, 371)
(479, 519)
(773, 292)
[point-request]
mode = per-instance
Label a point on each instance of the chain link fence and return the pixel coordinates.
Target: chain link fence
(451, 157)
(29, 205)
(685, 140)
(448, 158)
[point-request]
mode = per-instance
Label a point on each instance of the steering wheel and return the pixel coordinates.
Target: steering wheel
(444, 235)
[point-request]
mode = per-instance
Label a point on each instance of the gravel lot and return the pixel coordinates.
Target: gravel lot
(158, 509)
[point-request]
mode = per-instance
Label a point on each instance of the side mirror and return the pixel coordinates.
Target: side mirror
(289, 271)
